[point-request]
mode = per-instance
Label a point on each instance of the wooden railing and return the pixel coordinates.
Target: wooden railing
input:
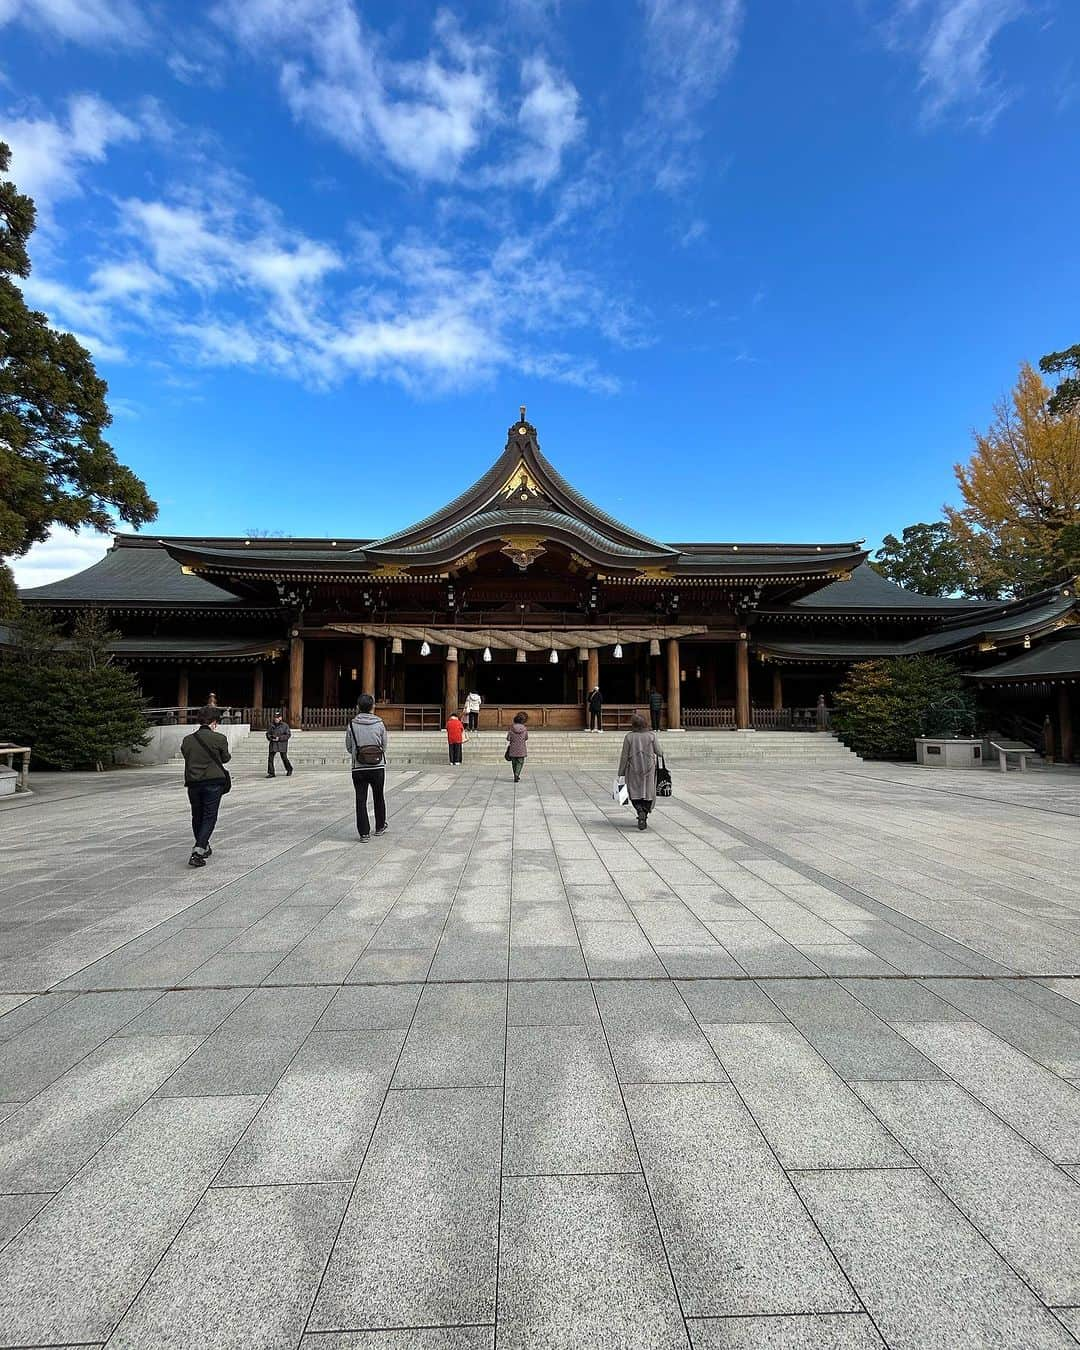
(708, 718)
(761, 719)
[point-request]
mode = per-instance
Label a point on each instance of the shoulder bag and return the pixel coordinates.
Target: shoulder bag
(367, 756)
(663, 778)
(217, 760)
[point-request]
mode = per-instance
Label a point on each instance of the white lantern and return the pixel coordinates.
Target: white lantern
(554, 657)
(395, 647)
(654, 647)
(425, 648)
(617, 653)
(487, 653)
(519, 656)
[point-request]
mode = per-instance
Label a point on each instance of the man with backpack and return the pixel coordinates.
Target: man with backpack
(365, 740)
(206, 752)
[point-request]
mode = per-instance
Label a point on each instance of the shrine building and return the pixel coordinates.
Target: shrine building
(524, 591)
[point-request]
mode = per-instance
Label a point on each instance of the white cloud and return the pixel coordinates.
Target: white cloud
(64, 553)
(91, 23)
(689, 47)
(952, 41)
(49, 157)
(549, 123)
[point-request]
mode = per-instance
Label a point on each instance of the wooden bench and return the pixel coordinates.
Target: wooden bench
(1006, 748)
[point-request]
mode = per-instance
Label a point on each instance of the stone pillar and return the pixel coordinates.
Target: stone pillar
(450, 682)
(742, 684)
(777, 689)
(1065, 731)
(257, 683)
(329, 681)
(367, 667)
(182, 693)
(296, 682)
(674, 689)
(592, 673)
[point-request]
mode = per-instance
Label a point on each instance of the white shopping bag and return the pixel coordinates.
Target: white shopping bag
(619, 791)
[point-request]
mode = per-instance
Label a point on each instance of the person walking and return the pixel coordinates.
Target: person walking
(656, 704)
(365, 740)
(637, 764)
(206, 752)
(472, 710)
(455, 734)
(278, 744)
(517, 743)
(596, 710)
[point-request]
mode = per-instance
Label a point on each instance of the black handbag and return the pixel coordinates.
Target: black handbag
(663, 778)
(217, 760)
(508, 755)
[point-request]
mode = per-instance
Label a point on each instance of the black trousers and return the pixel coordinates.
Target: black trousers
(362, 780)
(642, 805)
(455, 752)
(474, 720)
(595, 716)
(654, 716)
(277, 750)
(205, 799)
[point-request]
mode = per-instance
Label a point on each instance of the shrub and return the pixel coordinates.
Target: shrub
(883, 705)
(65, 698)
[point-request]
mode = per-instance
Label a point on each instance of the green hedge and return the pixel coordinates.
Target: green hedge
(883, 705)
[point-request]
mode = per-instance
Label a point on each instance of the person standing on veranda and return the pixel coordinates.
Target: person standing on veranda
(517, 743)
(472, 710)
(656, 704)
(596, 710)
(455, 735)
(365, 740)
(637, 764)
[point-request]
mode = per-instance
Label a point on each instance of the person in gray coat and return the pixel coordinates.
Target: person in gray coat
(365, 740)
(637, 764)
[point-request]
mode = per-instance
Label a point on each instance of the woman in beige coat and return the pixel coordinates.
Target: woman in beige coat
(637, 764)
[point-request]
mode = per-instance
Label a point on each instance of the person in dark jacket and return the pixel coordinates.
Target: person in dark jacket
(517, 743)
(596, 710)
(365, 740)
(278, 744)
(656, 704)
(206, 752)
(637, 764)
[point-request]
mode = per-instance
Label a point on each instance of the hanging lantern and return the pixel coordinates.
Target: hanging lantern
(554, 657)
(395, 647)
(487, 653)
(654, 647)
(617, 653)
(451, 653)
(519, 656)
(583, 653)
(425, 648)
(1027, 642)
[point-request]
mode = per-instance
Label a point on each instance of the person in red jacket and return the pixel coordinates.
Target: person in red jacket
(455, 735)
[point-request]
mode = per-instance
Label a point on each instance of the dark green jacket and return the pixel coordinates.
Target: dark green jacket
(199, 765)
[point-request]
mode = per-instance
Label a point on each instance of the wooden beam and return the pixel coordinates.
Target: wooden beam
(258, 677)
(367, 667)
(742, 684)
(777, 689)
(296, 682)
(674, 688)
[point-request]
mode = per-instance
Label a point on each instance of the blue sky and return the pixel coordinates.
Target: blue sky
(756, 267)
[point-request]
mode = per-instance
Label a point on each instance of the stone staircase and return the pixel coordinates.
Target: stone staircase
(559, 749)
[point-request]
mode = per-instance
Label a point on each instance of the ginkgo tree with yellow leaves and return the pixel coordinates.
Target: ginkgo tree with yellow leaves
(1019, 527)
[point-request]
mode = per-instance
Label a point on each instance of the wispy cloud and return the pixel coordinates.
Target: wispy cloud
(64, 553)
(49, 156)
(952, 40)
(689, 47)
(91, 23)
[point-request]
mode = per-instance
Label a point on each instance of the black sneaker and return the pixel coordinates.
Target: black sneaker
(209, 852)
(382, 829)
(271, 775)
(196, 860)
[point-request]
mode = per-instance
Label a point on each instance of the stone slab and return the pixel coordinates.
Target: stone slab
(243, 1271)
(385, 1007)
(812, 1331)
(456, 1039)
(652, 1036)
(924, 1274)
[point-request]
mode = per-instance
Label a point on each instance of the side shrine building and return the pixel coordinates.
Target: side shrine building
(524, 591)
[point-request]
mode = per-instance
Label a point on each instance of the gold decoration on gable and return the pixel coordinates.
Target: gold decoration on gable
(466, 563)
(389, 572)
(523, 549)
(654, 573)
(521, 482)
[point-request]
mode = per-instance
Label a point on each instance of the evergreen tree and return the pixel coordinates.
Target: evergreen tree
(881, 706)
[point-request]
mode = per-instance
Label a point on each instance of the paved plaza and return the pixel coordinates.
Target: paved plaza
(799, 1067)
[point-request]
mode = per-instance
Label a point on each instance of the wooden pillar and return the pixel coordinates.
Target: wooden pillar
(329, 681)
(1065, 731)
(296, 681)
(742, 684)
(592, 674)
(182, 693)
(450, 683)
(258, 676)
(367, 667)
(777, 689)
(674, 689)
